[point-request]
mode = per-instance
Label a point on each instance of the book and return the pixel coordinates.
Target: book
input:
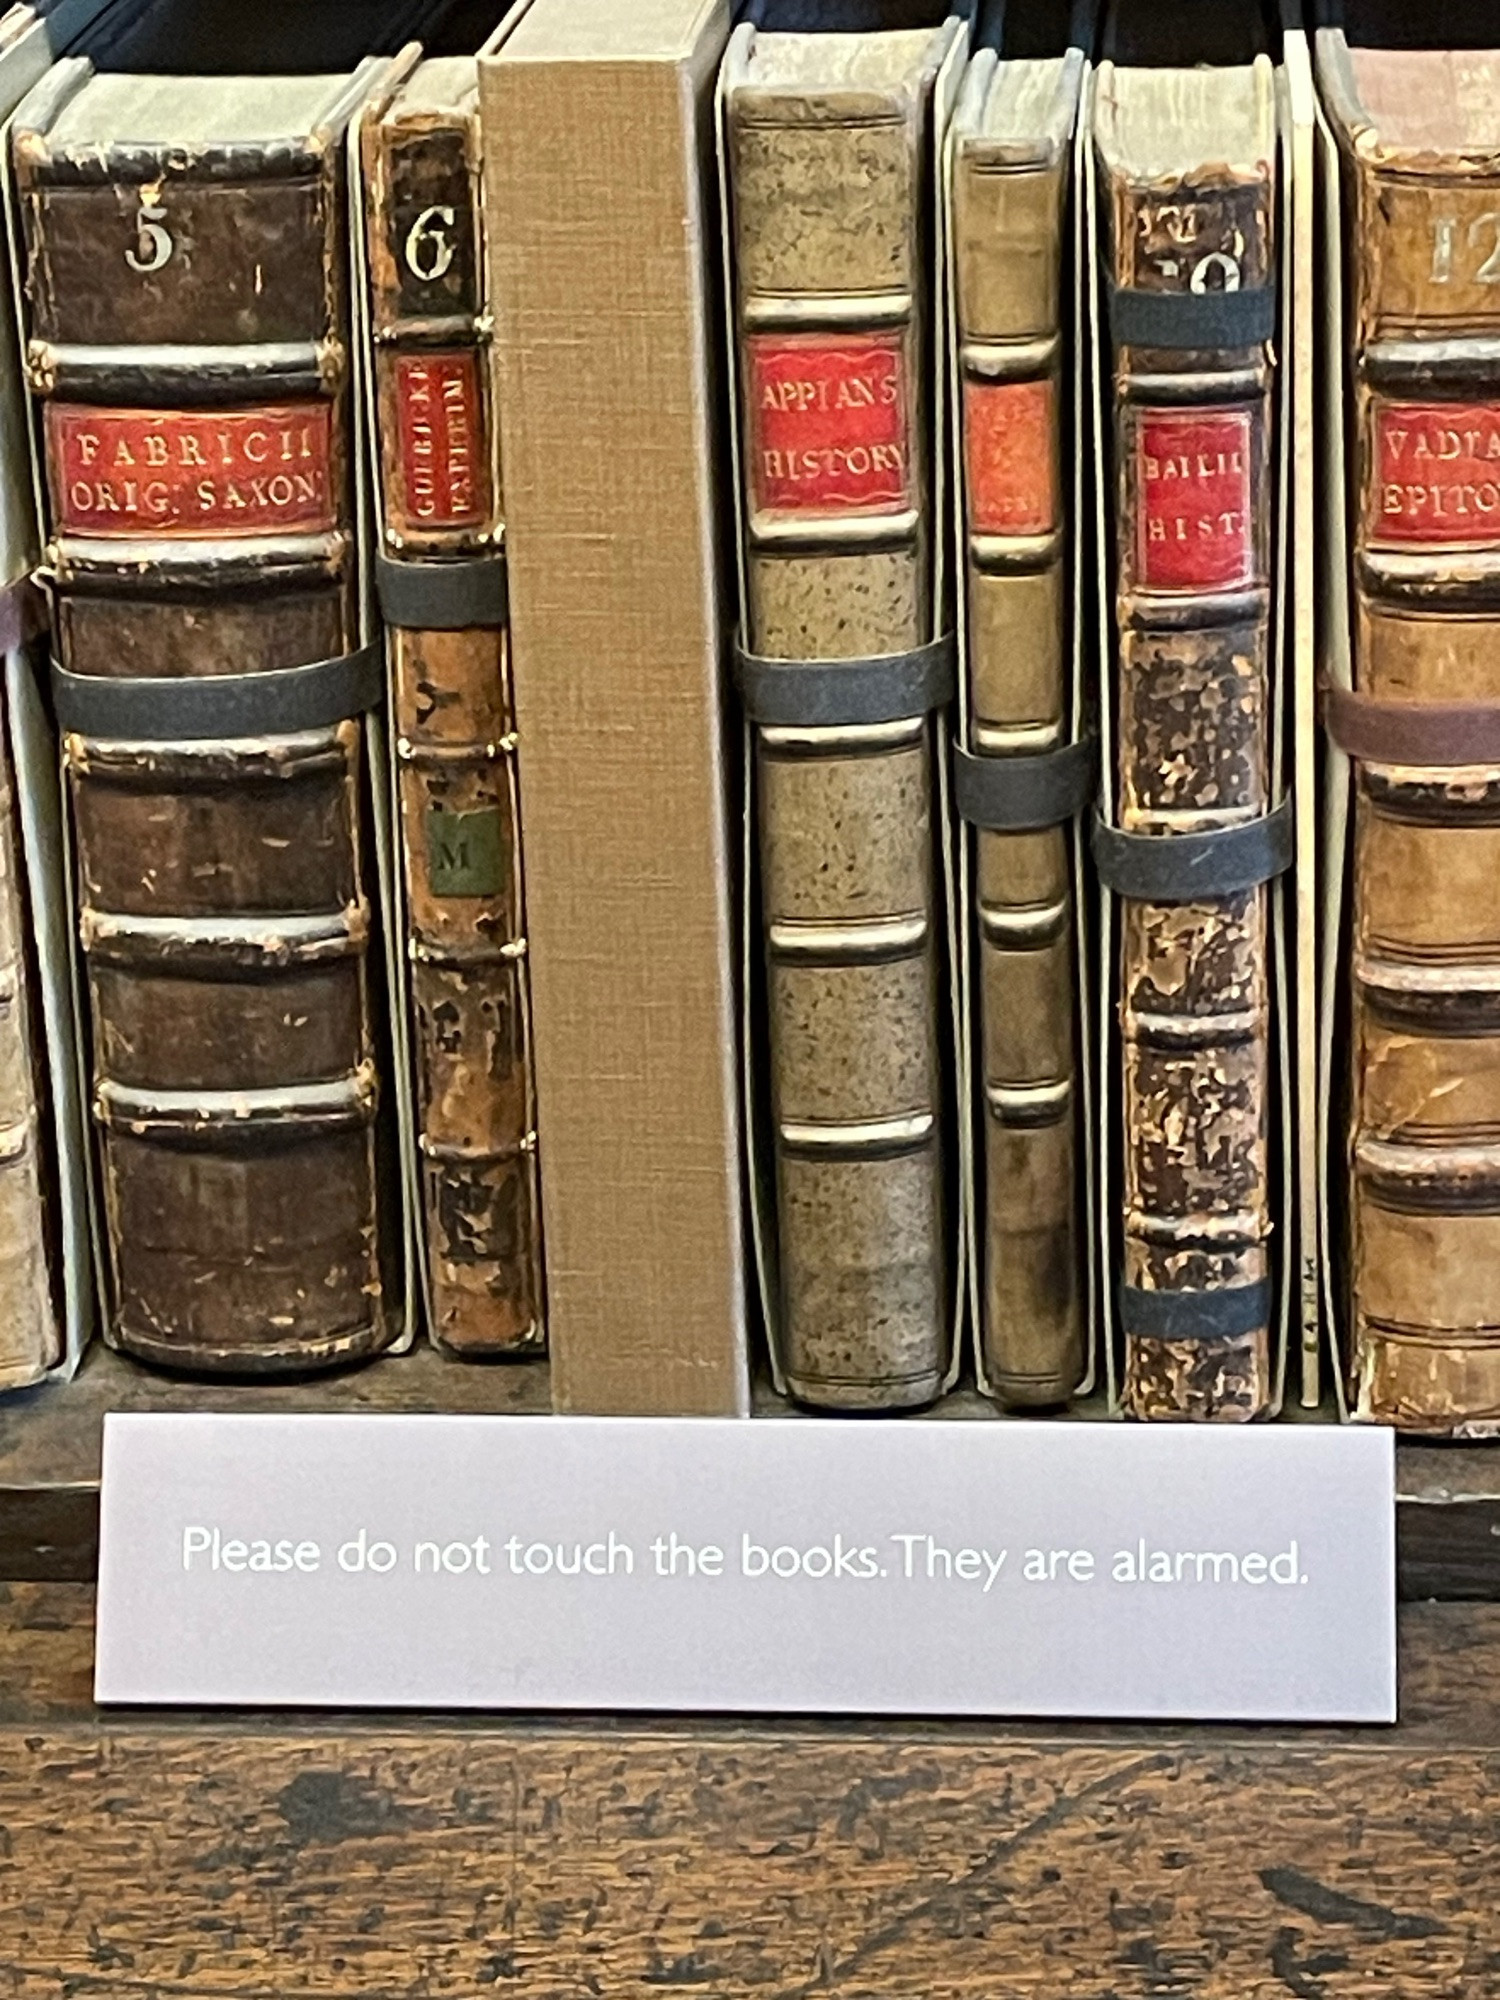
(442, 591)
(46, 1282)
(828, 142)
(30, 1328)
(1186, 169)
(1418, 129)
(1010, 185)
(599, 229)
(187, 339)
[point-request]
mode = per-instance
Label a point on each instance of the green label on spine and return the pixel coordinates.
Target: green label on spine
(465, 852)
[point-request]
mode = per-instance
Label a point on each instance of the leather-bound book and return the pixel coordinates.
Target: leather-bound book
(1011, 175)
(1420, 134)
(1187, 194)
(829, 161)
(187, 334)
(442, 591)
(29, 1307)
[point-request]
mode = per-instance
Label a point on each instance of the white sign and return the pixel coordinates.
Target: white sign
(924, 1568)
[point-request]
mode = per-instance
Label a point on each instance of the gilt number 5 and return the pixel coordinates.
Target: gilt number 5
(153, 246)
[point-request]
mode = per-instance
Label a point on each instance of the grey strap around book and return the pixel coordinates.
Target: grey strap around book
(442, 596)
(1241, 318)
(1182, 867)
(1435, 735)
(1226, 1313)
(200, 708)
(845, 694)
(1021, 794)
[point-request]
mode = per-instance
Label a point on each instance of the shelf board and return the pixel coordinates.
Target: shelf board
(1448, 1515)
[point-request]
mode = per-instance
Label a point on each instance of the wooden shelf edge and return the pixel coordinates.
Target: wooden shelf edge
(210, 1856)
(1448, 1511)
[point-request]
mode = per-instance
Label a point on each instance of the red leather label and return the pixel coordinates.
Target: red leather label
(1010, 457)
(191, 472)
(1193, 498)
(1437, 473)
(828, 431)
(440, 438)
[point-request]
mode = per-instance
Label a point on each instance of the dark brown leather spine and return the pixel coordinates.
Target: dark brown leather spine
(455, 723)
(187, 330)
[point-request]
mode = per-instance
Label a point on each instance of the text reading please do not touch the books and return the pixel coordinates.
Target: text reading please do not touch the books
(1068, 1569)
(914, 1556)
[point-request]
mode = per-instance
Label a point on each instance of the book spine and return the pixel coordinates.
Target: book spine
(187, 332)
(1192, 568)
(831, 335)
(1425, 1113)
(455, 739)
(29, 1336)
(1008, 239)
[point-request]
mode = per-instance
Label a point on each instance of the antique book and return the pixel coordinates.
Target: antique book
(187, 334)
(442, 591)
(601, 244)
(1419, 129)
(29, 1306)
(1011, 174)
(1187, 194)
(828, 144)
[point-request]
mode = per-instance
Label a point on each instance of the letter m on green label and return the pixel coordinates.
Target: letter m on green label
(465, 852)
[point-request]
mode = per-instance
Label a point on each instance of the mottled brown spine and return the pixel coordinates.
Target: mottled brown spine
(1009, 212)
(456, 745)
(1423, 1140)
(29, 1337)
(1193, 755)
(827, 196)
(224, 918)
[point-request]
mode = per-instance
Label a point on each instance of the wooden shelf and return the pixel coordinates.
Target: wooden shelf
(1449, 1495)
(436, 1858)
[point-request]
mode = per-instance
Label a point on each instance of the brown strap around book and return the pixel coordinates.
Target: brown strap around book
(1424, 734)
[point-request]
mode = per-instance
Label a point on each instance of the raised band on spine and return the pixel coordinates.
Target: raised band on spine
(1181, 320)
(1025, 793)
(1424, 734)
(846, 694)
(1228, 1312)
(1187, 867)
(201, 708)
(442, 596)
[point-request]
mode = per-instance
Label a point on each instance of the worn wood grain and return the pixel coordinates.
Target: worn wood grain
(185, 1857)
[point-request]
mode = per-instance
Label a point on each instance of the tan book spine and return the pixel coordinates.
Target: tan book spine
(830, 295)
(1423, 215)
(442, 538)
(1009, 208)
(29, 1338)
(1192, 567)
(596, 118)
